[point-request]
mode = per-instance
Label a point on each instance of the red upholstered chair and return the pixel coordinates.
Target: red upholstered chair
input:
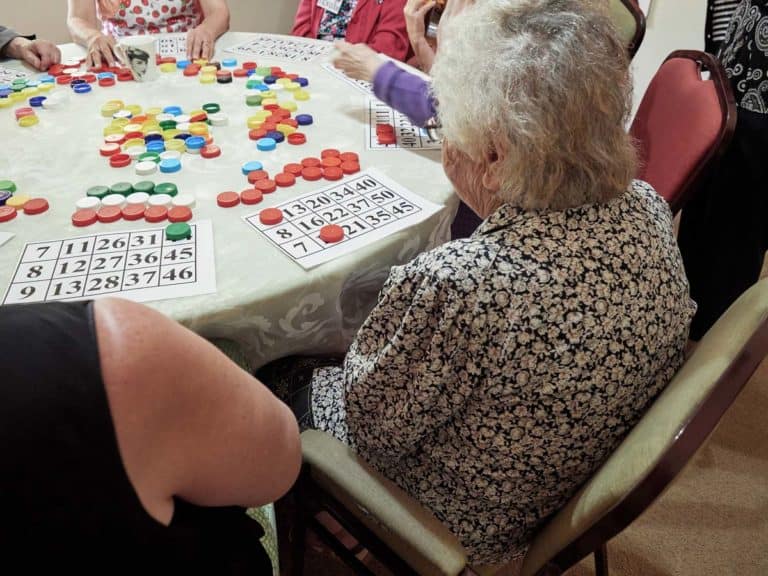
(683, 124)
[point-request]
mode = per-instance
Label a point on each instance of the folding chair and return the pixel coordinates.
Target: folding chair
(684, 123)
(408, 539)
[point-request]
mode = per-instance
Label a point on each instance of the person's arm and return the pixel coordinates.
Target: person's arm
(302, 22)
(84, 28)
(391, 35)
(405, 92)
(415, 16)
(411, 366)
(6, 35)
(189, 422)
(202, 39)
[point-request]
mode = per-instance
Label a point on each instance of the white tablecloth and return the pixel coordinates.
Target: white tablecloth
(266, 302)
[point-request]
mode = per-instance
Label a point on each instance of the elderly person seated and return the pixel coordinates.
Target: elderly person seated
(497, 372)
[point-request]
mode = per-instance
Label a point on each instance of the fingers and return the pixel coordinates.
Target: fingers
(207, 49)
(94, 58)
(424, 8)
(107, 51)
(30, 57)
(190, 41)
(194, 47)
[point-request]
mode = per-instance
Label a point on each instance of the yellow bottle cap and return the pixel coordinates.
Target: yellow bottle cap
(198, 129)
(174, 144)
(134, 142)
(207, 78)
(112, 130)
(134, 109)
(121, 122)
(168, 67)
(268, 101)
(286, 129)
(18, 200)
(255, 123)
(46, 87)
(201, 62)
(131, 128)
(153, 111)
(27, 121)
(289, 105)
(170, 133)
(301, 95)
(292, 86)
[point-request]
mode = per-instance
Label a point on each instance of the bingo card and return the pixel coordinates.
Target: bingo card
(368, 206)
(172, 44)
(140, 265)
(282, 47)
(408, 135)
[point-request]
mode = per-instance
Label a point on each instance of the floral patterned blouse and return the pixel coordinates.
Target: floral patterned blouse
(335, 25)
(496, 373)
(136, 17)
(744, 54)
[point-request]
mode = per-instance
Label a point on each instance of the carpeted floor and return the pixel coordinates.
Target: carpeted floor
(712, 521)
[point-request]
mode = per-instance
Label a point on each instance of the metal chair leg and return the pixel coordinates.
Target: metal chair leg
(601, 560)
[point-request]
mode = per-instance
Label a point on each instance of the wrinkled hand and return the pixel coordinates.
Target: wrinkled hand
(357, 61)
(415, 14)
(200, 43)
(108, 8)
(101, 51)
(40, 54)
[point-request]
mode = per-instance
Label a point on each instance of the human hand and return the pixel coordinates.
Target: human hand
(101, 51)
(200, 43)
(415, 15)
(358, 61)
(108, 8)
(40, 54)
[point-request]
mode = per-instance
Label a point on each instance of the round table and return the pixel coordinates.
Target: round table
(265, 302)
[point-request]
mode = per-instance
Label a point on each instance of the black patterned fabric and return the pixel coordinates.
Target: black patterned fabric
(744, 54)
(498, 372)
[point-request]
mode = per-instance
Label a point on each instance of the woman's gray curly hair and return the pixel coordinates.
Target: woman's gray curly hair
(546, 83)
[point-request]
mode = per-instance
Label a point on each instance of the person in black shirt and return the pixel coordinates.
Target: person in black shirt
(130, 445)
(723, 231)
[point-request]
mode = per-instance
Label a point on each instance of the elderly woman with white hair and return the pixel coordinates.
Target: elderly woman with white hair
(499, 371)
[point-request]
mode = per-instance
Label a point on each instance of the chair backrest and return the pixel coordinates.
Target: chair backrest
(664, 440)
(683, 124)
(630, 22)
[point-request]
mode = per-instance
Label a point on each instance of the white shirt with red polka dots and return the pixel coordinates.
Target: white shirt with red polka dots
(136, 17)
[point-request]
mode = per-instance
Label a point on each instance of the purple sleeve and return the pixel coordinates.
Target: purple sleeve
(405, 92)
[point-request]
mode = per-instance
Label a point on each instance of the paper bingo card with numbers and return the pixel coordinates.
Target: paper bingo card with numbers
(407, 134)
(172, 44)
(140, 265)
(368, 206)
(279, 47)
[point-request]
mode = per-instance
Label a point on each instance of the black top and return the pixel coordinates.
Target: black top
(744, 55)
(65, 498)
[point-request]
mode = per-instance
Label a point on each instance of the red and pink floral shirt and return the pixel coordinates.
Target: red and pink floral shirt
(135, 17)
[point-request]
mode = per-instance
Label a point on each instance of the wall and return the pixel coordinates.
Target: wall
(47, 18)
(671, 25)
